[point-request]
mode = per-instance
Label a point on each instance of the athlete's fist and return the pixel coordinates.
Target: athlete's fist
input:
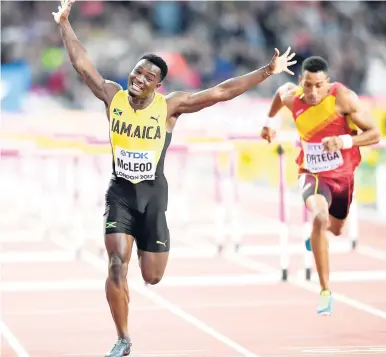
(63, 11)
(281, 63)
(332, 143)
(268, 134)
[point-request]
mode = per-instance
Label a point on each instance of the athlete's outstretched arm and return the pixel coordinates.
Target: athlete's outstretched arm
(182, 102)
(352, 107)
(101, 88)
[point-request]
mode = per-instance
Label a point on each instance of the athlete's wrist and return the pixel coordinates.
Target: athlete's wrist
(271, 123)
(268, 70)
(347, 141)
(63, 23)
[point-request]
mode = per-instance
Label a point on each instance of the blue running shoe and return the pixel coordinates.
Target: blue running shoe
(120, 349)
(325, 303)
(308, 244)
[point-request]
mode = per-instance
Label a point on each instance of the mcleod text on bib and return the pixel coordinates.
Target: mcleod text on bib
(135, 165)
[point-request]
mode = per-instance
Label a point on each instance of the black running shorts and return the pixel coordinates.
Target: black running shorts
(337, 191)
(139, 210)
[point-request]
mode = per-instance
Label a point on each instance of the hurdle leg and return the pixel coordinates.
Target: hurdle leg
(381, 190)
(77, 230)
(221, 204)
(188, 186)
(236, 235)
(284, 231)
(353, 222)
(306, 235)
(184, 190)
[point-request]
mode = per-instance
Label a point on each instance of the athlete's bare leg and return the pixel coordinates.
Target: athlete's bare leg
(152, 265)
(119, 247)
(336, 226)
(318, 206)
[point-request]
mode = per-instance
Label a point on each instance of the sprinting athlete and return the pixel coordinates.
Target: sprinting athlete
(327, 117)
(141, 122)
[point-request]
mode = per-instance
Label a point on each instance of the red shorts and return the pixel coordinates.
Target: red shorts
(338, 191)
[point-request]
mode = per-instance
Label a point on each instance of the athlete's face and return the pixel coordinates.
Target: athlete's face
(315, 86)
(144, 79)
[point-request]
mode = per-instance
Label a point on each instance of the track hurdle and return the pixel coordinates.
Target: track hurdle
(200, 196)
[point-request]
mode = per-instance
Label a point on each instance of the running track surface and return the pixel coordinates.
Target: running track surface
(64, 313)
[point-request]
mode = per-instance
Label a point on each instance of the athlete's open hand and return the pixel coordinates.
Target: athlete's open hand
(332, 143)
(268, 134)
(281, 63)
(63, 11)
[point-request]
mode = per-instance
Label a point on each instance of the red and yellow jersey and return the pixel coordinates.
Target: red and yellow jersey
(316, 122)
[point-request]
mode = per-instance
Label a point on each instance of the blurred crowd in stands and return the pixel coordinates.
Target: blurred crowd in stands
(204, 42)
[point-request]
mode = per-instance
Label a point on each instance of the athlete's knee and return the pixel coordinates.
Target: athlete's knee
(321, 220)
(152, 277)
(117, 269)
(336, 231)
(152, 266)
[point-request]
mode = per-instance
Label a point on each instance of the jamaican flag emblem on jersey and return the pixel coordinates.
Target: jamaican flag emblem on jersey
(117, 111)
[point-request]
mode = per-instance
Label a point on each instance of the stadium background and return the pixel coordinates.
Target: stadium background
(204, 43)
(56, 164)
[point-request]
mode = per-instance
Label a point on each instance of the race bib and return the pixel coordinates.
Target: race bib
(318, 160)
(135, 165)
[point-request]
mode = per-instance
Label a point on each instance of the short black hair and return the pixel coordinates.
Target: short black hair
(315, 64)
(157, 61)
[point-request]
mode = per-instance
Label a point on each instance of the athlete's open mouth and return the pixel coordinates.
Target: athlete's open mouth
(136, 87)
